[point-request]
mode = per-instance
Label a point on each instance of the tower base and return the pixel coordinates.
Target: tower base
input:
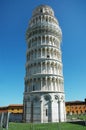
(44, 107)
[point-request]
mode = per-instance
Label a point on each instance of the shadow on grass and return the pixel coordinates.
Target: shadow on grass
(83, 123)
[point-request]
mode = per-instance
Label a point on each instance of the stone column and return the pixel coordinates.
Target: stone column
(64, 111)
(24, 114)
(45, 67)
(41, 67)
(58, 85)
(45, 52)
(32, 84)
(58, 110)
(28, 111)
(41, 53)
(50, 88)
(45, 39)
(46, 83)
(41, 107)
(41, 18)
(55, 85)
(41, 84)
(51, 101)
(61, 111)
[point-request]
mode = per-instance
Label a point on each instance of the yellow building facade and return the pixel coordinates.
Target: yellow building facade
(13, 108)
(76, 107)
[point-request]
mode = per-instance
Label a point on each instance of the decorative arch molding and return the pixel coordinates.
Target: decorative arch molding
(57, 97)
(47, 97)
(62, 98)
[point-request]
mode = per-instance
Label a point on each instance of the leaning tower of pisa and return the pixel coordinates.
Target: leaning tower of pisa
(44, 98)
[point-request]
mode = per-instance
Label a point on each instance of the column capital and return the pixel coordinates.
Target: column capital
(40, 100)
(51, 100)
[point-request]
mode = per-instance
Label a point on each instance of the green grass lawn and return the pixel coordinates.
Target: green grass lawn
(47, 126)
(81, 117)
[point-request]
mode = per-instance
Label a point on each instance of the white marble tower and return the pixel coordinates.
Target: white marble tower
(44, 98)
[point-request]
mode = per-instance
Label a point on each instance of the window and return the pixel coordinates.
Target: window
(48, 56)
(72, 112)
(41, 10)
(81, 111)
(46, 112)
(76, 112)
(33, 88)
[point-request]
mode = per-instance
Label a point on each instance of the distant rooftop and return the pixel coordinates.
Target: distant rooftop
(75, 102)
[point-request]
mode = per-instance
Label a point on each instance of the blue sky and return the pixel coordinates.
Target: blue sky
(14, 18)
